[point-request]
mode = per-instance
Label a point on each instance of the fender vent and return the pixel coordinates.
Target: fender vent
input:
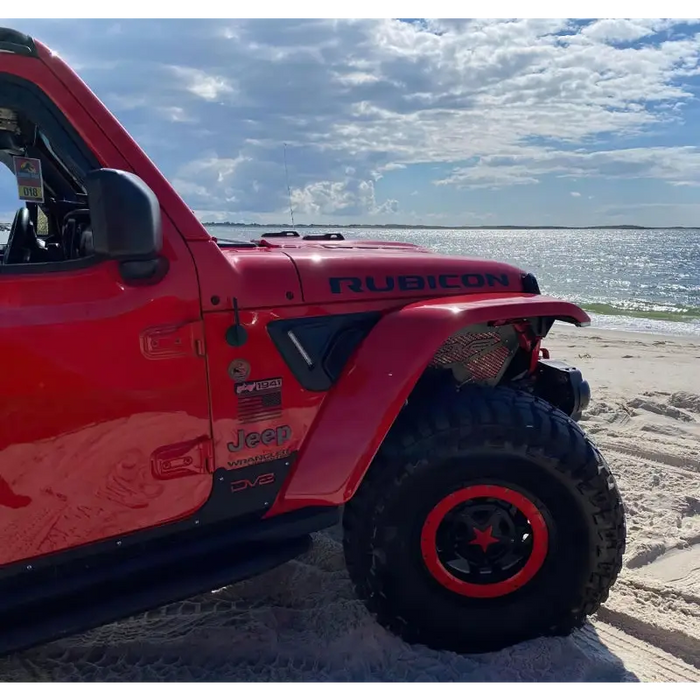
(477, 356)
(316, 349)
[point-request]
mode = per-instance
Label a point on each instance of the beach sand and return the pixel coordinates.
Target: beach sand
(302, 621)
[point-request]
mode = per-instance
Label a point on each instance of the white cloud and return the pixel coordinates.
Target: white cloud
(492, 103)
(679, 165)
(198, 82)
(575, 194)
(620, 30)
(346, 198)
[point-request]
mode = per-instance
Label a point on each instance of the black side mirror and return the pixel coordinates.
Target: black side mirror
(126, 222)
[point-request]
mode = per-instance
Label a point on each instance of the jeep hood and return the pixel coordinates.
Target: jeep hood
(365, 270)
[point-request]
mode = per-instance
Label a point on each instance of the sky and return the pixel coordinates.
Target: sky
(445, 122)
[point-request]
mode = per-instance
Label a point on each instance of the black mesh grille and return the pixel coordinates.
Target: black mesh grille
(483, 355)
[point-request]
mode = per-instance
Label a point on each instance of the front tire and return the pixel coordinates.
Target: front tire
(484, 521)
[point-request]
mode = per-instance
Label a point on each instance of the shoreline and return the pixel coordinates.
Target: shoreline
(641, 326)
(560, 328)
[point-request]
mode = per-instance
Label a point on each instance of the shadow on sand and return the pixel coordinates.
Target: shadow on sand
(300, 622)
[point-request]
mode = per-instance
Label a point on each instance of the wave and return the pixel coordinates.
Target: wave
(655, 312)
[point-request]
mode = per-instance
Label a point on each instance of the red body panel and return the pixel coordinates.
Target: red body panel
(105, 424)
(233, 446)
(257, 278)
(101, 384)
(377, 382)
(299, 408)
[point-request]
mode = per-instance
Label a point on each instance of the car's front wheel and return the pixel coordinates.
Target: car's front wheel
(485, 520)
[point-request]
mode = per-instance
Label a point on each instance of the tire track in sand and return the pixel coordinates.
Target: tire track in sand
(650, 664)
(657, 615)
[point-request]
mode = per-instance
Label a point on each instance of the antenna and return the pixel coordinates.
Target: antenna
(289, 191)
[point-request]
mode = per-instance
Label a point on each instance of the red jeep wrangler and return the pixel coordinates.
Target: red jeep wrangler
(181, 413)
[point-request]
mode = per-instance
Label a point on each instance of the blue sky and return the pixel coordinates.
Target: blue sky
(459, 122)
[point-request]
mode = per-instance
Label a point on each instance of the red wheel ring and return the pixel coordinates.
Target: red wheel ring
(533, 564)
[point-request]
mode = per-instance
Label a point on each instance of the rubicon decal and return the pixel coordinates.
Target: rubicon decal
(270, 436)
(411, 283)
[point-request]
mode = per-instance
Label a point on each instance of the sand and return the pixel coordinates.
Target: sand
(302, 621)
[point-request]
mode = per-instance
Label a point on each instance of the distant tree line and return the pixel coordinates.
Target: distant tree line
(238, 224)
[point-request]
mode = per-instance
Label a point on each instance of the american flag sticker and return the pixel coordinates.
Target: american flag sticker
(259, 400)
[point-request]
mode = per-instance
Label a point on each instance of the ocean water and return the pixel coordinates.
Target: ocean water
(627, 279)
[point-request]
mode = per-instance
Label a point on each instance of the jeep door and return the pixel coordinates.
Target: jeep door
(104, 408)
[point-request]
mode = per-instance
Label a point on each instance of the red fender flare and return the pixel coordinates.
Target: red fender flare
(355, 418)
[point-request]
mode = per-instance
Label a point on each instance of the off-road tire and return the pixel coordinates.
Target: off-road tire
(475, 437)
